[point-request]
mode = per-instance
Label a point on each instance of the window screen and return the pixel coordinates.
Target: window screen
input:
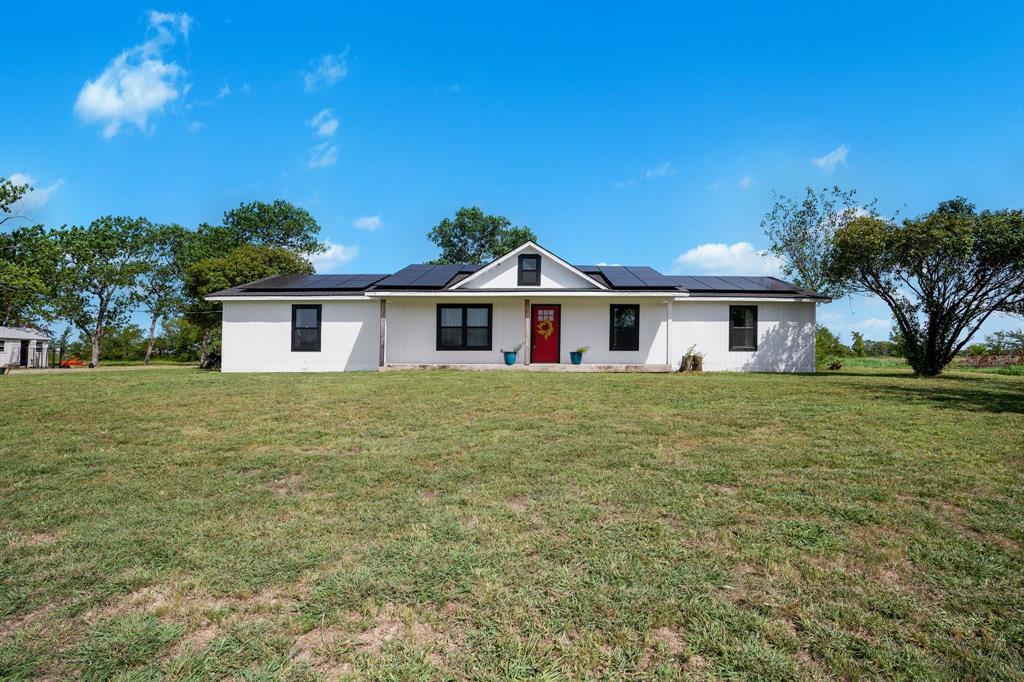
(743, 327)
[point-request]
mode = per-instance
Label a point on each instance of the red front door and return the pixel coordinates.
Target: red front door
(545, 325)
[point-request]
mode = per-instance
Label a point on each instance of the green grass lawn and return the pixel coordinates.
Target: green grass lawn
(441, 525)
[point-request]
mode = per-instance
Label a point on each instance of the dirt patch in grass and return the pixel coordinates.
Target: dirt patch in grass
(518, 503)
(195, 640)
(12, 625)
(670, 639)
(287, 485)
(34, 540)
(392, 623)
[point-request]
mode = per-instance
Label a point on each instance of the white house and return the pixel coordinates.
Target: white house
(23, 347)
(632, 318)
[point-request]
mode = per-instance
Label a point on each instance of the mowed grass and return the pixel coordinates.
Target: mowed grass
(446, 525)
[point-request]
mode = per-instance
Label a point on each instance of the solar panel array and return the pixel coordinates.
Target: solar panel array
(439, 276)
(426, 275)
(629, 276)
(315, 283)
(744, 284)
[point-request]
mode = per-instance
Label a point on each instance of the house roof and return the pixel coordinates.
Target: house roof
(430, 277)
(20, 333)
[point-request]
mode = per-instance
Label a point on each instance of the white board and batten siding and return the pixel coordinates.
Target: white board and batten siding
(256, 337)
(785, 336)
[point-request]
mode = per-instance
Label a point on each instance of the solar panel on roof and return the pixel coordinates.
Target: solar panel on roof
(437, 276)
(650, 277)
(620, 277)
(403, 277)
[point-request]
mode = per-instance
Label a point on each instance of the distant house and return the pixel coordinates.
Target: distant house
(632, 318)
(23, 347)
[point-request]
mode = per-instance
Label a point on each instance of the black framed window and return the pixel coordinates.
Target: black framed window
(743, 327)
(529, 270)
(465, 326)
(306, 328)
(625, 327)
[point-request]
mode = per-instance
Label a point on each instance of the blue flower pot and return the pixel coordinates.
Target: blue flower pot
(510, 357)
(577, 358)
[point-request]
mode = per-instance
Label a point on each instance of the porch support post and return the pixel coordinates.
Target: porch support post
(669, 359)
(382, 351)
(527, 351)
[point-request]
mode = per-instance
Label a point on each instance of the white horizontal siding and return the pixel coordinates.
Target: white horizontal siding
(587, 322)
(412, 332)
(257, 337)
(785, 336)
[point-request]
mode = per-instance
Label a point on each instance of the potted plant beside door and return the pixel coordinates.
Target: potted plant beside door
(510, 355)
(577, 355)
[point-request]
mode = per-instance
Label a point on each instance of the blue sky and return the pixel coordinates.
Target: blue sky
(619, 133)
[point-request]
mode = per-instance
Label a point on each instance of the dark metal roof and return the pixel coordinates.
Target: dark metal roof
(439, 277)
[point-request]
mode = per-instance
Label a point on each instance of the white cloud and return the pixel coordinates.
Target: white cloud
(662, 170)
(745, 182)
(246, 89)
(181, 22)
(717, 184)
(138, 81)
(326, 71)
(335, 256)
(224, 91)
(835, 157)
(871, 324)
(196, 126)
(324, 123)
(34, 198)
(367, 222)
(727, 259)
(323, 155)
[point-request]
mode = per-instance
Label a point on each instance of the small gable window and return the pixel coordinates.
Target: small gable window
(306, 328)
(625, 327)
(743, 327)
(464, 327)
(529, 270)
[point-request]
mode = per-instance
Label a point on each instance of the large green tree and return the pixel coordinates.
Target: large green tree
(941, 274)
(159, 288)
(801, 232)
(277, 227)
(243, 264)
(99, 268)
(278, 223)
(28, 258)
(476, 237)
(10, 192)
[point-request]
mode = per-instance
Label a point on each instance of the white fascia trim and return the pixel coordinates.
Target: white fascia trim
(525, 293)
(514, 252)
(325, 299)
(745, 299)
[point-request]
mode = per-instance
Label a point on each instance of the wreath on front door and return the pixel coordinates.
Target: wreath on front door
(546, 328)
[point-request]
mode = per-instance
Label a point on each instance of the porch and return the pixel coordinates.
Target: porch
(534, 367)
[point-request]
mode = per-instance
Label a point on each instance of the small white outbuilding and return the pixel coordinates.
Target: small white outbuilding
(23, 347)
